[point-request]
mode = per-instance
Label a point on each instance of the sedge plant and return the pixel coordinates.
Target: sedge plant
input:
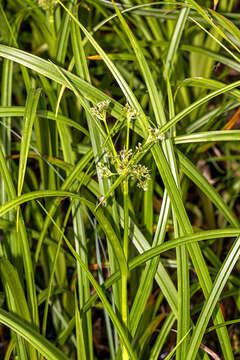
(119, 179)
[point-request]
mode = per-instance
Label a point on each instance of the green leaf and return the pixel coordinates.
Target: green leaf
(49, 70)
(197, 104)
(223, 135)
(121, 331)
(151, 253)
(29, 116)
(10, 205)
(196, 176)
(212, 299)
(16, 300)
(45, 347)
(226, 24)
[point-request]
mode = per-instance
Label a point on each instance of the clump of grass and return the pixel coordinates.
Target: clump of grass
(120, 223)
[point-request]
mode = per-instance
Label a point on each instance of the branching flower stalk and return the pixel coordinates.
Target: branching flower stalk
(125, 250)
(129, 114)
(126, 163)
(100, 111)
(48, 6)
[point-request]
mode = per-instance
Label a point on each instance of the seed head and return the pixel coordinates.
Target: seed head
(100, 109)
(154, 135)
(47, 4)
(125, 166)
(130, 112)
(104, 171)
(141, 173)
(140, 148)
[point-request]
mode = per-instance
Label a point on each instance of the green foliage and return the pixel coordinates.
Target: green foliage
(119, 179)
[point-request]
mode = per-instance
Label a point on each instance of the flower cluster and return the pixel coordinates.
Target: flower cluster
(154, 134)
(130, 112)
(141, 173)
(100, 109)
(126, 167)
(124, 162)
(47, 4)
(104, 171)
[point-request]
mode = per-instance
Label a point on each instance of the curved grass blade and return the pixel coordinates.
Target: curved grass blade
(207, 119)
(230, 322)
(47, 69)
(226, 24)
(10, 205)
(212, 299)
(45, 347)
(171, 244)
(218, 30)
(213, 55)
(16, 301)
(23, 240)
(209, 84)
(222, 135)
(121, 331)
(195, 175)
(197, 104)
(184, 240)
(29, 116)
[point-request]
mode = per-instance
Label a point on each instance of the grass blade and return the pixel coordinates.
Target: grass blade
(212, 299)
(45, 347)
(29, 116)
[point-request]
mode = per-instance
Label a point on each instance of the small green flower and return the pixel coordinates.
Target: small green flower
(154, 135)
(103, 105)
(140, 148)
(130, 112)
(104, 171)
(121, 162)
(107, 153)
(125, 166)
(125, 155)
(47, 4)
(141, 173)
(100, 110)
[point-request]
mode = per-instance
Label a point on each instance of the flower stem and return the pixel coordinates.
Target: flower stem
(125, 275)
(109, 137)
(126, 215)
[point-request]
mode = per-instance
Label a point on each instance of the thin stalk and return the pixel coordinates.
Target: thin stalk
(124, 310)
(127, 139)
(125, 249)
(109, 137)
(50, 14)
(101, 294)
(126, 218)
(54, 265)
(101, 281)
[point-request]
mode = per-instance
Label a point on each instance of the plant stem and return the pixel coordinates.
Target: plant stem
(109, 137)
(125, 274)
